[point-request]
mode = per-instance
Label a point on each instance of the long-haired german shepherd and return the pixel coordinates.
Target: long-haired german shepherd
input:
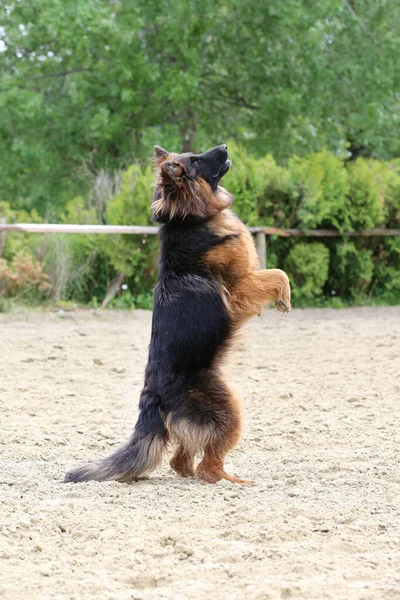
(209, 284)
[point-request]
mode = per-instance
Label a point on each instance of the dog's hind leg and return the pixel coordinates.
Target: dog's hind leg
(182, 462)
(227, 435)
(191, 438)
(210, 423)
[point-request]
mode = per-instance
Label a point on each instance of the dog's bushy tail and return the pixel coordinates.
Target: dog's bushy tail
(140, 454)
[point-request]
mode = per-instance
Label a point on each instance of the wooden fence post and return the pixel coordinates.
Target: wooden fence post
(261, 245)
(3, 237)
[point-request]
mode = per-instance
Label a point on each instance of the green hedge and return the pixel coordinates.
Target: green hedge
(321, 191)
(317, 191)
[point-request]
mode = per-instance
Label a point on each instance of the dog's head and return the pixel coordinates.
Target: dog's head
(187, 188)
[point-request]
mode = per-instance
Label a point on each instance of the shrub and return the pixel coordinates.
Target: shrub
(386, 278)
(316, 191)
(307, 266)
(22, 277)
(368, 182)
(351, 270)
(133, 255)
(17, 242)
(263, 191)
(322, 185)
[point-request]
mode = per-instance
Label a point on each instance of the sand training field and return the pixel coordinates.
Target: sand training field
(321, 390)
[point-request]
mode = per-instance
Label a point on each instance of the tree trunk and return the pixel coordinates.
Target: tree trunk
(188, 134)
(113, 289)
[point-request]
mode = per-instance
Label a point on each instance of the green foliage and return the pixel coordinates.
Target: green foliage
(366, 200)
(261, 188)
(4, 304)
(76, 265)
(87, 88)
(310, 193)
(387, 271)
(76, 211)
(123, 301)
(322, 185)
(93, 85)
(321, 191)
(94, 303)
(392, 196)
(126, 300)
(307, 266)
(351, 270)
(316, 191)
(133, 255)
(16, 242)
(144, 301)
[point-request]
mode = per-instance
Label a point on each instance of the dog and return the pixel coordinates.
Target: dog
(209, 284)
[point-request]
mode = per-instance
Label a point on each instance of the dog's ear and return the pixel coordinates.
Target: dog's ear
(160, 152)
(174, 170)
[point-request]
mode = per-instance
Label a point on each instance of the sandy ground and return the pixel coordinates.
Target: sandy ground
(321, 390)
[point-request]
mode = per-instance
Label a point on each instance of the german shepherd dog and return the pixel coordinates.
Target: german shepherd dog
(209, 284)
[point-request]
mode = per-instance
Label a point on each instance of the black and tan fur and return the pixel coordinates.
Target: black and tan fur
(209, 284)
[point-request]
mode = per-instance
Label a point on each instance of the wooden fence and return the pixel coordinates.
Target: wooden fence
(261, 233)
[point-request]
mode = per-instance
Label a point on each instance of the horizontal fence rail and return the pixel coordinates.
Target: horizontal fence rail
(149, 230)
(380, 232)
(261, 233)
(69, 228)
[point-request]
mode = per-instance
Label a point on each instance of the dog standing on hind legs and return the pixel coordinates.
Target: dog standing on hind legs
(209, 284)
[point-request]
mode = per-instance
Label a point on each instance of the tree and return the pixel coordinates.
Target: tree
(90, 84)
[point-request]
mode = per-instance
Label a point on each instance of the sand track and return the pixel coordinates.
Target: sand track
(321, 390)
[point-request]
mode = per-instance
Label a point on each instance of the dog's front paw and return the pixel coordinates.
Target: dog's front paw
(282, 306)
(282, 303)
